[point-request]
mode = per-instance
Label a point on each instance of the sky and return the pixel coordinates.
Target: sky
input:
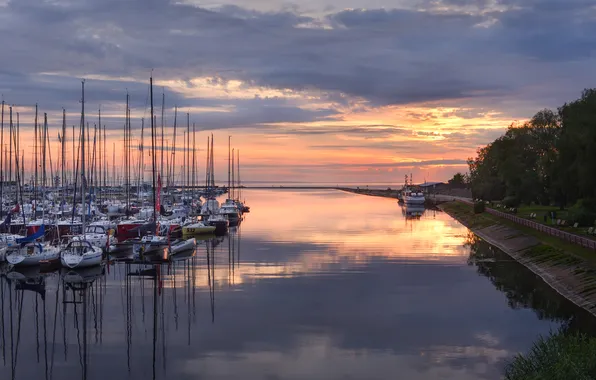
(311, 91)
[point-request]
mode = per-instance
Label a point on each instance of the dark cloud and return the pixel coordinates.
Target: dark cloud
(385, 56)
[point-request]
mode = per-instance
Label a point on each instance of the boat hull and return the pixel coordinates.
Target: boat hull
(190, 231)
(70, 260)
(20, 259)
(127, 231)
(409, 200)
(183, 246)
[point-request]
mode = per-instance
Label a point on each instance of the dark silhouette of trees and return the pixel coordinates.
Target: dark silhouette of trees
(551, 159)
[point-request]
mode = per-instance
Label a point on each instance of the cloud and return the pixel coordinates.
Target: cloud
(394, 56)
(312, 71)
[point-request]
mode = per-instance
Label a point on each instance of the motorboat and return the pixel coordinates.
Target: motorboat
(81, 254)
(31, 254)
(230, 211)
(129, 228)
(197, 228)
(413, 196)
(123, 250)
(220, 223)
(152, 243)
(179, 246)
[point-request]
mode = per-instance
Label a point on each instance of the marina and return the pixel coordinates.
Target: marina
(300, 297)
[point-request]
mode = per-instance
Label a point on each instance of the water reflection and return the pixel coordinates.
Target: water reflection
(365, 294)
(525, 290)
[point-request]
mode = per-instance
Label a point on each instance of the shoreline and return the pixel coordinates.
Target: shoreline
(564, 272)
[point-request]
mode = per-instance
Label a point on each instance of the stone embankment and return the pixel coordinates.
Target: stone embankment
(567, 273)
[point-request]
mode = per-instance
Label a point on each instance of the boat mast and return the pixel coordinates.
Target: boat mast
(194, 172)
(98, 171)
(126, 153)
(212, 164)
(83, 179)
(207, 166)
(152, 147)
(36, 140)
(63, 143)
(188, 151)
(142, 159)
(163, 104)
(233, 185)
(173, 171)
(11, 131)
(229, 162)
(238, 192)
(43, 170)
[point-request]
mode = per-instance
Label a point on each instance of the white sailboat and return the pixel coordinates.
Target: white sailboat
(28, 251)
(80, 253)
(32, 254)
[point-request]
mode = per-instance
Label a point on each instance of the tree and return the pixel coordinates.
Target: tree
(458, 180)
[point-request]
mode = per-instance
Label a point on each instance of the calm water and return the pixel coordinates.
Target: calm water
(313, 285)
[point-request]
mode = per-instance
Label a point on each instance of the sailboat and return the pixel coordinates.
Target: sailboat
(29, 252)
(80, 253)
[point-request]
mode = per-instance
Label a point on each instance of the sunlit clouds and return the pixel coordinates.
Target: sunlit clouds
(329, 91)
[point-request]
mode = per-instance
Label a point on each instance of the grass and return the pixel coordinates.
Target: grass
(525, 211)
(464, 212)
(559, 356)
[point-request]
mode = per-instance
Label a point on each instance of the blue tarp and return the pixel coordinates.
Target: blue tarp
(28, 239)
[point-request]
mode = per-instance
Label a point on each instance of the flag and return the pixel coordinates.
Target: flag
(59, 138)
(157, 198)
(16, 209)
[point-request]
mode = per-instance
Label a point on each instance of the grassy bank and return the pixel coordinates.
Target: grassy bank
(557, 357)
(465, 214)
(567, 268)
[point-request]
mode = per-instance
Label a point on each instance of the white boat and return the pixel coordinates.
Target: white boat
(10, 240)
(96, 235)
(32, 254)
(230, 211)
(80, 254)
(413, 196)
(211, 206)
(152, 244)
(182, 245)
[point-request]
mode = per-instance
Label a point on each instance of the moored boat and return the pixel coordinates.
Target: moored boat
(179, 246)
(32, 254)
(80, 254)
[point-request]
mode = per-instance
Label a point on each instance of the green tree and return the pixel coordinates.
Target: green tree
(458, 179)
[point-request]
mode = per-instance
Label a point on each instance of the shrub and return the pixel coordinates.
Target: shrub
(559, 356)
(582, 217)
(478, 207)
(511, 201)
